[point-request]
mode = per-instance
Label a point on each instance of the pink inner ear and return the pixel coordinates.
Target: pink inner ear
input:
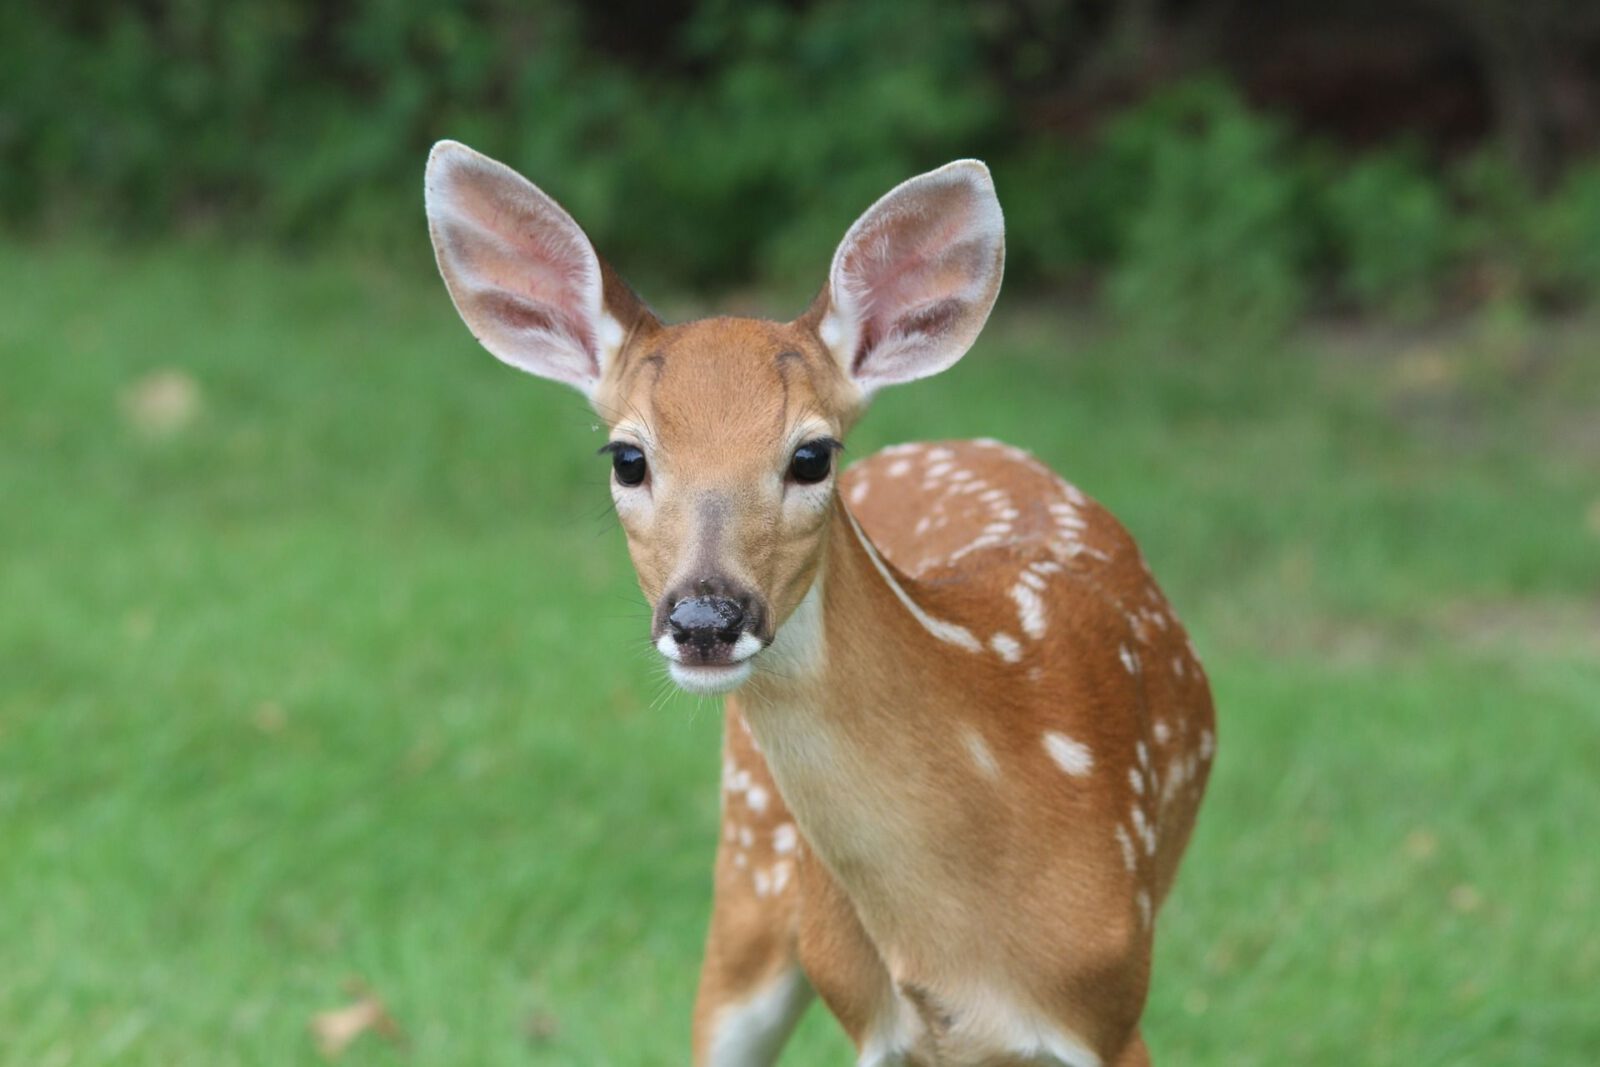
(531, 265)
(914, 270)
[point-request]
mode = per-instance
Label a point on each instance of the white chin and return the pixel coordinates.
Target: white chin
(710, 680)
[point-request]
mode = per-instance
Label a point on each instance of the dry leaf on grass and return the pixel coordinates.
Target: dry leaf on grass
(541, 1027)
(162, 403)
(336, 1030)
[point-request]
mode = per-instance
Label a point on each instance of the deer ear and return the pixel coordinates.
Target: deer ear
(914, 278)
(523, 276)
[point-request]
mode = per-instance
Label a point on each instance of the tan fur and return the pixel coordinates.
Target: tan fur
(959, 780)
(919, 878)
(720, 400)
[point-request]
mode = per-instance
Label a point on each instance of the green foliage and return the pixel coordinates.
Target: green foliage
(808, 119)
(720, 143)
(1529, 248)
(759, 133)
(1565, 236)
(1391, 232)
(1208, 238)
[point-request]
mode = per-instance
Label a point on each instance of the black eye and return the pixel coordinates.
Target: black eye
(812, 461)
(627, 462)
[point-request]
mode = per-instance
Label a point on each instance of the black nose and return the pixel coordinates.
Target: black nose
(703, 621)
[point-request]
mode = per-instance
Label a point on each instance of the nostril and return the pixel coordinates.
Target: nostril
(732, 616)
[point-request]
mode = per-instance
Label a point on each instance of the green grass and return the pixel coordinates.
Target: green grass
(343, 678)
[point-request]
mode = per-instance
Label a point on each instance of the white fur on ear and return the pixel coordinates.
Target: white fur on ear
(523, 276)
(914, 279)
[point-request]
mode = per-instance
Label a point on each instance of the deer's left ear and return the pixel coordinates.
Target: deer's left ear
(914, 278)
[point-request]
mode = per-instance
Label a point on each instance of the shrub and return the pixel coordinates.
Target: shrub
(1208, 238)
(1564, 235)
(1391, 232)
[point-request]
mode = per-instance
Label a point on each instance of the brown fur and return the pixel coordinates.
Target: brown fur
(959, 782)
(915, 867)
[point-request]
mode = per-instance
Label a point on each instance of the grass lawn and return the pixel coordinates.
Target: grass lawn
(322, 669)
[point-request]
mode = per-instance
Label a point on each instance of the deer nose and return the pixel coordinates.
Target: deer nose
(703, 621)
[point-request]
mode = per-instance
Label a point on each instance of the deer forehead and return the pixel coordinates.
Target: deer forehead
(722, 400)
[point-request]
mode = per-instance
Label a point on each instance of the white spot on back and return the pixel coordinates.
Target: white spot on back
(1162, 731)
(1006, 647)
(1177, 775)
(1129, 859)
(757, 799)
(981, 755)
(784, 839)
(1208, 744)
(1146, 832)
(1071, 756)
(1136, 780)
(1030, 610)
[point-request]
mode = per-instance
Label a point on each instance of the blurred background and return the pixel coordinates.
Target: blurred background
(328, 725)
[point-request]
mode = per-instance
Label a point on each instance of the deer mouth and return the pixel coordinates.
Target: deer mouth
(717, 669)
(711, 680)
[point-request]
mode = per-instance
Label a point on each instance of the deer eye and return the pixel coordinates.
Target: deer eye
(812, 461)
(627, 463)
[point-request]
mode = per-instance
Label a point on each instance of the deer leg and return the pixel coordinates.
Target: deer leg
(752, 990)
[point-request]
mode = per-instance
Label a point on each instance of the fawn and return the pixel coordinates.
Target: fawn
(965, 736)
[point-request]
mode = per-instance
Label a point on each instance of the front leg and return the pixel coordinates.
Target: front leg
(752, 991)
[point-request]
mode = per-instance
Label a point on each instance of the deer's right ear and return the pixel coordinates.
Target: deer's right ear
(525, 279)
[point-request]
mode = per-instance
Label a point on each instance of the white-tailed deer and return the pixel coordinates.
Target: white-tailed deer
(965, 736)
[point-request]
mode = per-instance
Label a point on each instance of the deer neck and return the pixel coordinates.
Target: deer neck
(858, 644)
(859, 723)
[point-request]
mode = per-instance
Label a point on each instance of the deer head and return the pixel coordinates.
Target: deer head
(724, 433)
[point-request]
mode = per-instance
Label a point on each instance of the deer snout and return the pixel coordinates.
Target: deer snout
(709, 632)
(706, 621)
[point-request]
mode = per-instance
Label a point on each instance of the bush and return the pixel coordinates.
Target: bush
(1391, 232)
(1564, 235)
(807, 119)
(715, 142)
(743, 143)
(1207, 235)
